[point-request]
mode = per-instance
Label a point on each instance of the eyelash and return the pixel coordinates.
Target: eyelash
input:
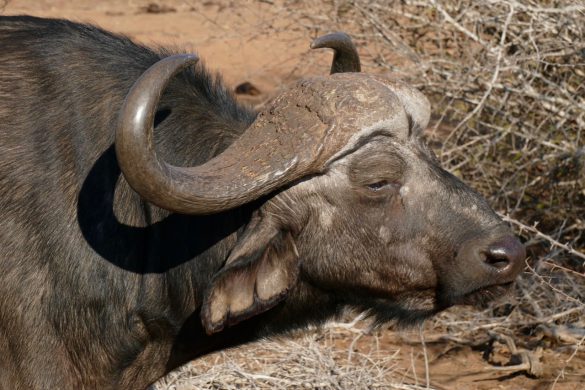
(379, 185)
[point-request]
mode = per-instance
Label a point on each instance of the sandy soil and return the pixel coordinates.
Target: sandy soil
(252, 41)
(257, 42)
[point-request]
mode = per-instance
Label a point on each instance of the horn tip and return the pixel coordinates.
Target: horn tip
(317, 43)
(325, 41)
(191, 58)
(183, 60)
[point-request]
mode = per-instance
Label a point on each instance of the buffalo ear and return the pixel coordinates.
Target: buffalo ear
(258, 274)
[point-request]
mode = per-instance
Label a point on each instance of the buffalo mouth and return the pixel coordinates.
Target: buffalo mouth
(408, 309)
(481, 297)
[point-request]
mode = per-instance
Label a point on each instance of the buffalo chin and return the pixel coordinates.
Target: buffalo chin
(479, 298)
(413, 310)
(404, 312)
(482, 297)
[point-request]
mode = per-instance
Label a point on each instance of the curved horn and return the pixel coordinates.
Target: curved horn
(299, 134)
(264, 158)
(345, 57)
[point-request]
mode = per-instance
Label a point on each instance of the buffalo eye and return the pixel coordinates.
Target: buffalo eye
(377, 169)
(380, 185)
(377, 186)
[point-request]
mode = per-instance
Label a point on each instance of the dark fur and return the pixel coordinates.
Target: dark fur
(94, 281)
(99, 289)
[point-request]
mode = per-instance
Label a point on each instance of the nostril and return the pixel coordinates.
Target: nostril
(496, 257)
(508, 253)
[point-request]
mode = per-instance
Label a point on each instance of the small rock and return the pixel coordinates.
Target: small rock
(155, 8)
(247, 88)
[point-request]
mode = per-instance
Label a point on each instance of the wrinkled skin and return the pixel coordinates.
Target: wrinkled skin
(383, 228)
(403, 219)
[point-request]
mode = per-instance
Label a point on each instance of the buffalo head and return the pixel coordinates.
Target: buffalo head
(352, 199)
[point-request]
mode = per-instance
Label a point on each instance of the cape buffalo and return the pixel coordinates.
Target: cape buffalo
(147, 218)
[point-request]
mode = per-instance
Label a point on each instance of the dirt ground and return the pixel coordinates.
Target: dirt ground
(244, 42)
(255, 42)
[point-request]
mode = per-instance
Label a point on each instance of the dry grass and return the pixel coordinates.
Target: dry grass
(308, 361)
(325, 359)
(507, 83)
